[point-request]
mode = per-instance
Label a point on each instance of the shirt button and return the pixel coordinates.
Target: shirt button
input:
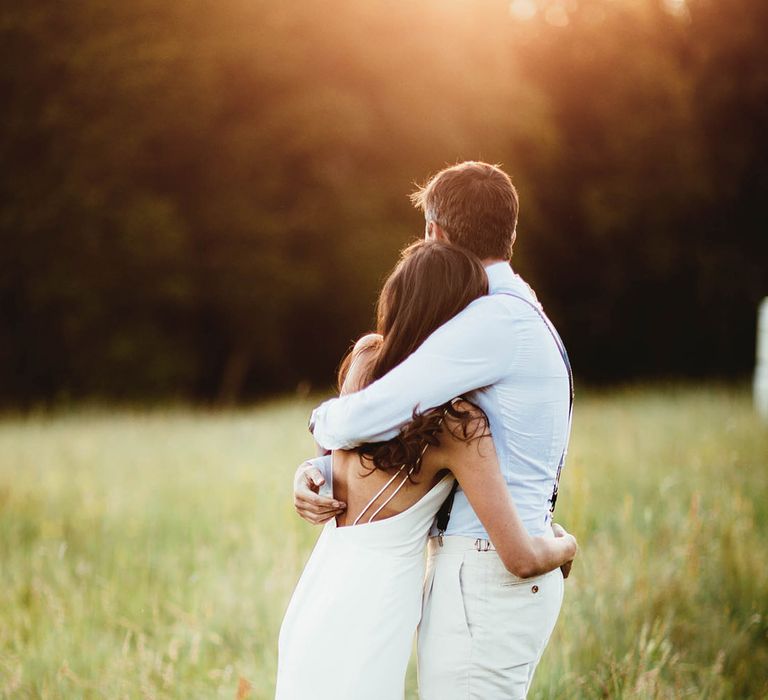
(534, 589)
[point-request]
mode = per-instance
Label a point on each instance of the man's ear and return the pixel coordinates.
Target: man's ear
(435, 232)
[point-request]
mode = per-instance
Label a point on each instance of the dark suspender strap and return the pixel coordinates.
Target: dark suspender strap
(567, 362)
(444, 514)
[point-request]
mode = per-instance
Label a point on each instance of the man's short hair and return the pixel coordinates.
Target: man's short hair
(475, 204)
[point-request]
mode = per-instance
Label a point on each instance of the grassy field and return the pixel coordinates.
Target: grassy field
(151, 554)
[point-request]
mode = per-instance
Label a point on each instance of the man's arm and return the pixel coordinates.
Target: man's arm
(470, 351)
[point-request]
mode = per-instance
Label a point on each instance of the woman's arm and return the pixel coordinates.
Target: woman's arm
(359, 362)
(475, 465)
(313, 473)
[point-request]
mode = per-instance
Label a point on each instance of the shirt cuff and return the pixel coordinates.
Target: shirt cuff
(324, 465)
(317, 422)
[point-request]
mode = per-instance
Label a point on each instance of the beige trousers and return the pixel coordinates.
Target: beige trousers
(483, 630)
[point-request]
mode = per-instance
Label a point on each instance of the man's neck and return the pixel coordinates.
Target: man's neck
(487, 262)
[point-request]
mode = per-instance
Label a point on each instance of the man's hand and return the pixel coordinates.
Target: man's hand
(560, 531)
(307, 500)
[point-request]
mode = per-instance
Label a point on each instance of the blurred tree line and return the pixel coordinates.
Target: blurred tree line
(199, 199)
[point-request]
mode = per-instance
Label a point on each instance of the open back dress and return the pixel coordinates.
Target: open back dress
(348, 630)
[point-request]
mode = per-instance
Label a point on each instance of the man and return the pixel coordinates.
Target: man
(482, 631)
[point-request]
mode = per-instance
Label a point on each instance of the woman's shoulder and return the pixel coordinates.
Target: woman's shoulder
(462, 410)
(463, 423)
(370, 341)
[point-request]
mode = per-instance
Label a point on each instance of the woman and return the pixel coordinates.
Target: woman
(348, 630)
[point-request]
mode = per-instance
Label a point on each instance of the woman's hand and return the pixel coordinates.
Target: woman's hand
(560, 531)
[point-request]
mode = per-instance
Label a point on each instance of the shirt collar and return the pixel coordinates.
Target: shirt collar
(500, 275)
(502, 278)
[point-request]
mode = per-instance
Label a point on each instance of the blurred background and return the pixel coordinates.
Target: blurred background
(198, 202)
(199, 199)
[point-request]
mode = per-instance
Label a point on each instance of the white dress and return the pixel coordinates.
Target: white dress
(348, 631)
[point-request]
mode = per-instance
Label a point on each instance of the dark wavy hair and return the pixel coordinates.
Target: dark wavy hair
(432, 282)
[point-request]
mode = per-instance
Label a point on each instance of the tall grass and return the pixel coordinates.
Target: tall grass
(151, 554)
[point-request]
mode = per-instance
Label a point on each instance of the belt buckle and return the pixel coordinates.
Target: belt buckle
(482, 545)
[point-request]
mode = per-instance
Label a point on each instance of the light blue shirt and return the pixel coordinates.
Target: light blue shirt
(498, 343)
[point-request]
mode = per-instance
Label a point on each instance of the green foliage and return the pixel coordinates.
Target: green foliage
(199, 199)
(153, 553)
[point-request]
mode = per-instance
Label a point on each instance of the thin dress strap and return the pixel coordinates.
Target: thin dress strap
(382, 490)
(389, 483)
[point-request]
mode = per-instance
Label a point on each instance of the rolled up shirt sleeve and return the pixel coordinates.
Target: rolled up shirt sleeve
(470, 351)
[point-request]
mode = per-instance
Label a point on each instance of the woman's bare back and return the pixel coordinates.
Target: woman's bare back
(356, 484)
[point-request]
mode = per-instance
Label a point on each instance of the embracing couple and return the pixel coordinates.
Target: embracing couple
(450, 434)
